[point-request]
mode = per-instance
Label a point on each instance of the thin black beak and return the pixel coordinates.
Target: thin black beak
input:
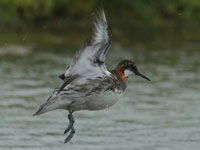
(141, 75)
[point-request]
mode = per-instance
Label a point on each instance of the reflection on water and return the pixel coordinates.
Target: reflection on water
(162, 114)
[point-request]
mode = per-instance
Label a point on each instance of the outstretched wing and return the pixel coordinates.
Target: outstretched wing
(90, 59)
(91, 56)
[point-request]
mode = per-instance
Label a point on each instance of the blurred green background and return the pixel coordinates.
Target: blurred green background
(23, 13)
(72, 19)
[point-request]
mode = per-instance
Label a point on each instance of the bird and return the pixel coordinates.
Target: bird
(87, 83)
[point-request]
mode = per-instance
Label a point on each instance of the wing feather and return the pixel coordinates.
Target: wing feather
(93, 51)
(90, 59)
(101, 30)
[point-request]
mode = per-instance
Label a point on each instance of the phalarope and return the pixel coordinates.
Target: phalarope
(87, 84)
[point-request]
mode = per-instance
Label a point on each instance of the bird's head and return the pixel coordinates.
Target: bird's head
(126, 68)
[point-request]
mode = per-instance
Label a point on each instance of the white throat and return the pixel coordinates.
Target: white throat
(127, 73)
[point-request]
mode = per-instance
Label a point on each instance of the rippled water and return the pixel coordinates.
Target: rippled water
(163, 114)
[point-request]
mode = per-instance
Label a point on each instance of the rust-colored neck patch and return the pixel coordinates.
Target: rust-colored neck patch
(120, 71)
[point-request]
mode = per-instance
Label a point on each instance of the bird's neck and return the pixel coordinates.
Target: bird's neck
(120, 71)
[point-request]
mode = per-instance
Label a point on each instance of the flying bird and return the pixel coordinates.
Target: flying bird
(87, 83)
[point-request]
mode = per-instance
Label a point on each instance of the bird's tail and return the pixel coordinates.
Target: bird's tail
(51, 104)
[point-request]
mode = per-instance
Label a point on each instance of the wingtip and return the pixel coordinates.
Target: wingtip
(100, 14)
(101, 30)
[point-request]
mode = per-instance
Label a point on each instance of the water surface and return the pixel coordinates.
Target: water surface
(162, 114)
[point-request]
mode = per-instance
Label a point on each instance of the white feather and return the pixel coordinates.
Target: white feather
(95, 49)
(127, 73)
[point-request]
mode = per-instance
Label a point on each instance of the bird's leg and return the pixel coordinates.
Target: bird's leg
(70, 127)
(71, 122)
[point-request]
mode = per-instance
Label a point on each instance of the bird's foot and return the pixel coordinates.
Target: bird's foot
(70, 136)
(70, 127)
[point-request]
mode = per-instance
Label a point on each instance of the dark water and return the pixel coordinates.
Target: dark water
(163, 114)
